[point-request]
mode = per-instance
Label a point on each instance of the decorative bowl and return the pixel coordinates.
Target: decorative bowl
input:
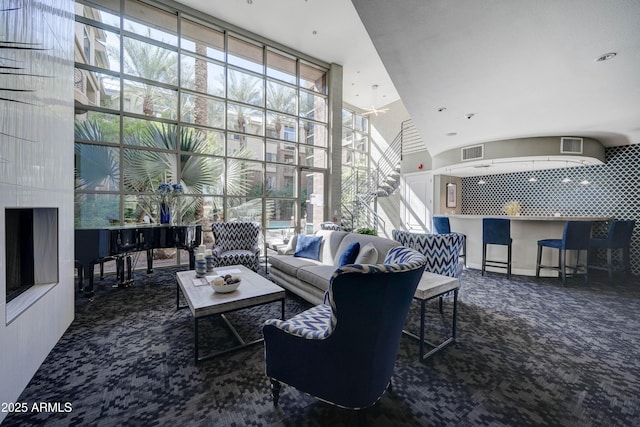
(225, 288)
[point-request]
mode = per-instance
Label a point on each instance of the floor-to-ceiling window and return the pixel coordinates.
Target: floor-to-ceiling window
(164, 97)
(355, 157)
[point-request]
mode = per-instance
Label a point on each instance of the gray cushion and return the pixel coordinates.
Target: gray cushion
(380, 243)
(331, 243)
(317, 275)
(290, 264)
(368, 255)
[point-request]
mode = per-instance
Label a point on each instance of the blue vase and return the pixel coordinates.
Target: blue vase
(165, 214)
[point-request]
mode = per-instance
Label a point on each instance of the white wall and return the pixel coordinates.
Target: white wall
(36, 170)
(417, 203)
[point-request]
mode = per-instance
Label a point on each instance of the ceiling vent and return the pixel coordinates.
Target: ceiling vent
(570, 145)
(473, 153)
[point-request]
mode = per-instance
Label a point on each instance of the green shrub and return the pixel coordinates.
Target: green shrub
(369, 231)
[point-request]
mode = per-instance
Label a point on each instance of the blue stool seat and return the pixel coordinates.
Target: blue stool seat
(618, 238)
(496, 231)
(551, 243)
(441, 225)
(575, 236)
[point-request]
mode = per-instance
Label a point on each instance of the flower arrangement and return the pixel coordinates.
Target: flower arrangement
(168, 195)
(512, 208)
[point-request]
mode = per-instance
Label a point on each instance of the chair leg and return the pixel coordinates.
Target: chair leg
(538, 261)
(626, 261)
(508, 261)
(586, 274)
(275, 391)
(586, 267)
(563, 266)
(464, 249)
(484, 258)
(610, 265)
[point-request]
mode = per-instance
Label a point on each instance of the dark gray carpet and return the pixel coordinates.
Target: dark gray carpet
(528, 353)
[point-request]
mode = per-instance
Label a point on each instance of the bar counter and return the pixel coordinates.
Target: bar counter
(525, 232)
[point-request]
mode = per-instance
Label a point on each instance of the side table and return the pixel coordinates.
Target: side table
(433, 286)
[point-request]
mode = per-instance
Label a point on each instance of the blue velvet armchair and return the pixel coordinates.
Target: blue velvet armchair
(236, 243)
(343, 351)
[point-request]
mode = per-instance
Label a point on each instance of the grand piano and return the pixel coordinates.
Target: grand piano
(97, 245)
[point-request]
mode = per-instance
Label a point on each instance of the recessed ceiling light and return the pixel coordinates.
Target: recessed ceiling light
(606, 56)
(442, 109)
(470, 115)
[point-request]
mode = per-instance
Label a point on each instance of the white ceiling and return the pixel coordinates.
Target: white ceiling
(523, 68)
(340, 37)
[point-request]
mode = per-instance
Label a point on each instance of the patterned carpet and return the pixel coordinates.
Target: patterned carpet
(528, 353)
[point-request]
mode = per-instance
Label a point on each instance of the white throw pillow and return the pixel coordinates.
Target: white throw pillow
(291, 246)
(368, 255)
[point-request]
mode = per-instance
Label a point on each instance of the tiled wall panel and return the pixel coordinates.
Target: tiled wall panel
(613, 190)
(36, 170)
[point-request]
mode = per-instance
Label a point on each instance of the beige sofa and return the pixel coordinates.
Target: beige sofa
(309, 278)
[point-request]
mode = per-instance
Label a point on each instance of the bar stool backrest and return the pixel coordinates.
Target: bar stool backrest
(496, 231)
(620, 233)
(441, 225)
(576, 235)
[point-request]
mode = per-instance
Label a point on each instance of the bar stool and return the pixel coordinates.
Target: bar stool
(575, 236)
(441, 225)
(618, 237)
(496, 231)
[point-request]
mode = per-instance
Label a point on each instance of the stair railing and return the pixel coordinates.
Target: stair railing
(359, 193)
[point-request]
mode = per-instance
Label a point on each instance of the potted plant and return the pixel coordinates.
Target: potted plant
(369, 231)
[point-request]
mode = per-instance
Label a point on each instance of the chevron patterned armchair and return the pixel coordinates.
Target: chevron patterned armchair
(236, 243)
(343, 351)
(442, 251)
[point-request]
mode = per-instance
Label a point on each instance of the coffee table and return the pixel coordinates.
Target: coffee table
(204, 302)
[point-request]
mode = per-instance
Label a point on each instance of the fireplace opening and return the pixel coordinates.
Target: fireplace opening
(31, 248)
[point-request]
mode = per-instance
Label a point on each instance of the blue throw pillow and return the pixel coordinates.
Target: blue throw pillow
(350, 254)
(308, 246)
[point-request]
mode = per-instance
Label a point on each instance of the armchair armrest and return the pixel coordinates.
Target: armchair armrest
(313, 324)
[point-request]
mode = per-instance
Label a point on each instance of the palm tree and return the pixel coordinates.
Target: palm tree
(243, 90)
(100, 166)
(152, 63)
(147, 169)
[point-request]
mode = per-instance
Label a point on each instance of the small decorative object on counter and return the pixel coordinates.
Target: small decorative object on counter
(512, 208)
